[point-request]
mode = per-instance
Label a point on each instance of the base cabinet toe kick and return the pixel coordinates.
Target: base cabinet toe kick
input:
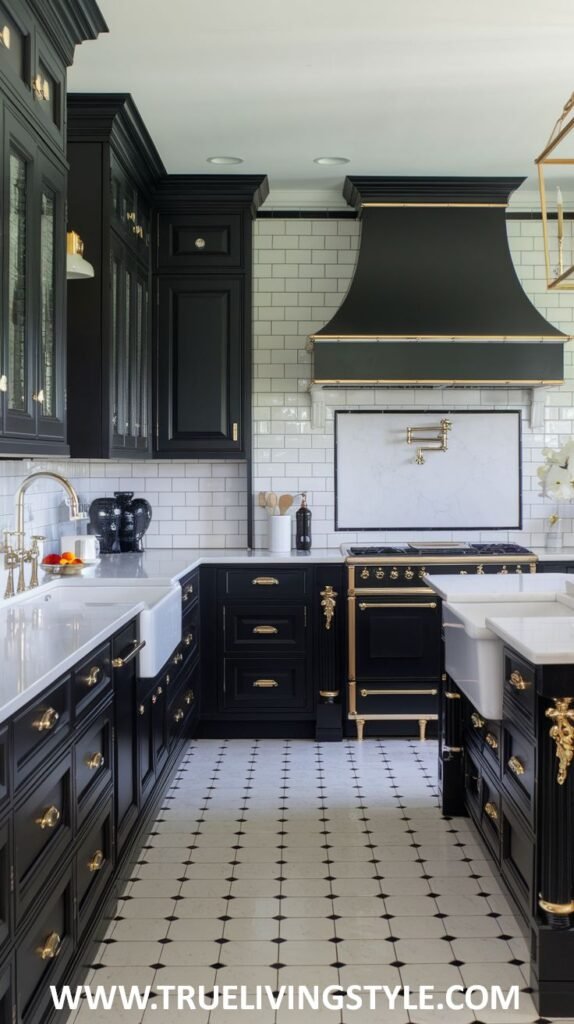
(515, 778)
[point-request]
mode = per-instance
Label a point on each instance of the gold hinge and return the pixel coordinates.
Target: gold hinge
(235, 432)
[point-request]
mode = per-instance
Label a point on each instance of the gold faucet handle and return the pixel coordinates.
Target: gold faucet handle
(35, 547)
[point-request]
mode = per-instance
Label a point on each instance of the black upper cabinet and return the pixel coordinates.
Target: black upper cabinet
(203, 322)
(114, 167)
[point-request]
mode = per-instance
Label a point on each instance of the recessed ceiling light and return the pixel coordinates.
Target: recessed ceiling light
(330, 160)
(224, 160)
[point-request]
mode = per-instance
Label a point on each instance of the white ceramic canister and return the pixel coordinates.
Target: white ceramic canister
(280, 533)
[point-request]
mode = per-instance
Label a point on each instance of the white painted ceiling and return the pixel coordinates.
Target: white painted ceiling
(397, 86)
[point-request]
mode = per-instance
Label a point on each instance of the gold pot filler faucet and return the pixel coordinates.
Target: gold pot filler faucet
(16, 556)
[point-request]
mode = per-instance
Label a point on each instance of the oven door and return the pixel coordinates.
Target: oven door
(397, 638)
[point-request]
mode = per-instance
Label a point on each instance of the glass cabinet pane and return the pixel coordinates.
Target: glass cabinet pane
(116, 352)
(127, 425)
(48, 353)
(137, 361)
(144, 375)
(17, 266)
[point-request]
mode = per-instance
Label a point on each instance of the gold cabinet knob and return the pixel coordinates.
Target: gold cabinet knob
(177, 658)
(47, 720)
(477, 721)
(131, 216)
(491, 740)
(265, 684)
(503, 571)
(41, 90)
(51, 947)
(480, 570)
(463, 572)
(93, 677)
(516, 766)
(178, 716)
(97, 861)
(95, 761)
(189, 697)
(167, 679)
(517, 681)
(188, 639)
(492, 811)
(199, 243)
(50, 818)
(265, 630)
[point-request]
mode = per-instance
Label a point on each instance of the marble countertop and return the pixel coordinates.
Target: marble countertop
(521, 586)
(541, 641)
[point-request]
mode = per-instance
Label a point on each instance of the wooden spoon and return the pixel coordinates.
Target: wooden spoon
(285, 502)
(272, 502)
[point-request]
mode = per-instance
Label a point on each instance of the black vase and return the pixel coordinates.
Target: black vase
(105, 516)
(134, 520)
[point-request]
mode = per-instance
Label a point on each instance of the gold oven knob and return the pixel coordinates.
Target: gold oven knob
(394, 573)
(409, 573)
(422, 572)
(380, 573)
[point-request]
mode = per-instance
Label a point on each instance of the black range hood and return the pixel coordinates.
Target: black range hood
(435, 298)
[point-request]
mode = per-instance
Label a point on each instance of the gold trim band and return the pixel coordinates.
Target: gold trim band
(556, 908)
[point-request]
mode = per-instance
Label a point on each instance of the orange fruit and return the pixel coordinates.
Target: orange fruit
(68, 556)
(77, 561)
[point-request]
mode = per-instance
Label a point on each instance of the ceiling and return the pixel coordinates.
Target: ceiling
(402, 87)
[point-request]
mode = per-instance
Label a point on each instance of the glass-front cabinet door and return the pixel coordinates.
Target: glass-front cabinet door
(49, 391)
(140, 360)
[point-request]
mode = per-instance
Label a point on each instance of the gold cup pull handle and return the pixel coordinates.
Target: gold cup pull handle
(50, 818)
(51, 947)
(265, 581)
(95, 761)
(97, 861)
(491, 810)
(93, 677)
(265, 630)
(265, 684)
(517, 681)
(516, 766)
(46, 721)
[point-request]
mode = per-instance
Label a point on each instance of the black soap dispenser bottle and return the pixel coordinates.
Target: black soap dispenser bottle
(303, 526)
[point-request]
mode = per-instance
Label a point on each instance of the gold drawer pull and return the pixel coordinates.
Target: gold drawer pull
(125, 659)
(189, 697)
(516, 766)
(188, 639)
(50, 818)
(265, 581)
(492, 811)
(266, 684)
(47, 720)
(97, 862)
(188, 592)
(51, 947)
(491, 740)
(5, 36)
(93, 676)
(95, 761)
(178, 716)
(177, 658)
(517, 681)
(477, 721)
(265, 630)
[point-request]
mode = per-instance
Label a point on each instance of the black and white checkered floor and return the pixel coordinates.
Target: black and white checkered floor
(290, 862)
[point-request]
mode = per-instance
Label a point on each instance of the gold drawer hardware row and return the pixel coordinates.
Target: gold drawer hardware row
(398, 693)
(517, 681)
(41, 88)
(178, 716)
(491, 740)
(189, 697)
(265, 684)
(477, 721)
(47, 720)
(516, 766)
(188, 639)
(50, 818)
(5, 36)
(95, 761)
(492, 811)
(562, 732)
(51, 947)
(364, 606)
(265, 630)
(265, 581)
(125, 659)
(187, 592)
(97, 862)
(93, 676)
(328, 603)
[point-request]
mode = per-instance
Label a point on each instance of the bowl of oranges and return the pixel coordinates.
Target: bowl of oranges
(65, 564)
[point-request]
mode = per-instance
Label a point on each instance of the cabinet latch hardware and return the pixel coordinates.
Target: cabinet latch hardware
(96, 862)
(41, 88)
(189, 697)
(51, 947)
(477, 721)
(47, 721)
(265, 581)
(93, 676)
(38, 396)
(516, 766)
(517, 681)
(95, 761)
(5, 36)
(491, 810)
(265, 684)
(50, 818)
(265, 630)
(178, 716)
(328, 603)
(491, 740)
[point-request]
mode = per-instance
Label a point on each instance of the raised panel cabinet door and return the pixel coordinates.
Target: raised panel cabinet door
(200, 365)
(118, 347)
(49, 393)
(125, 752)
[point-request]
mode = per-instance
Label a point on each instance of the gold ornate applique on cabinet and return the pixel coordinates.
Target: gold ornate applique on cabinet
(328, 604)
(562, 732)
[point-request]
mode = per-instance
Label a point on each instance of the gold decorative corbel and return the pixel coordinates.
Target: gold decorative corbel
(562, 732)
(328, 603)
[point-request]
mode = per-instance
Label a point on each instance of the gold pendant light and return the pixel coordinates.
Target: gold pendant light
(555, 167)
(77, 268)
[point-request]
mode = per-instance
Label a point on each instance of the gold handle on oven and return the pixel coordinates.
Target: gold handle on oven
(265, 581)
(477, 721)
(93, 676)
(47, 720)
(516, 766)
(491, 740)
(398, 693)
(50, 818)
(265, 684)
(51, 947)
(125, 659)
(265, 630)
(364, 605)
(492, 811)
(97, 861)
(517, 681)
(95, 761)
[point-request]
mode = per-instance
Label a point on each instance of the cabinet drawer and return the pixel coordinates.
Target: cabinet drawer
(94, 864)
(44, 952)
(42, 831)
(518, 767)
(517, 861)
(92, 679)
(265, 684)
(395, 698)
(181, 712)
(519, 688)
(491, 814)
(40, 728)
(199, 241)
(485, 733)
(7, 994)
(263, 584)
(260, 628)
(190, 630)
(93, 762)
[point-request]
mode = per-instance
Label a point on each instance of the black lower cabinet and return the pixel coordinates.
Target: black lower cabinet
(45, 950)
(7, 993)
(125, 747)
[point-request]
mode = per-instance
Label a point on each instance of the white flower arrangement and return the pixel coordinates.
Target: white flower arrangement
(557, 473)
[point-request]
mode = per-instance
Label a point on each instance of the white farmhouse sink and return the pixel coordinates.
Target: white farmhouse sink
(473, 653)
(159, 622)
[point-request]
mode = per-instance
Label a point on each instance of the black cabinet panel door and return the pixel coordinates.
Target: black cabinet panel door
(200, 366)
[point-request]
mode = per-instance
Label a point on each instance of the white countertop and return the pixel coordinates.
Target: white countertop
(523, 586)
(541, 641)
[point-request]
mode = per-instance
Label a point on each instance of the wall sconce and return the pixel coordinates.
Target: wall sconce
(436, 443)
(77, 268)
(559, 263)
